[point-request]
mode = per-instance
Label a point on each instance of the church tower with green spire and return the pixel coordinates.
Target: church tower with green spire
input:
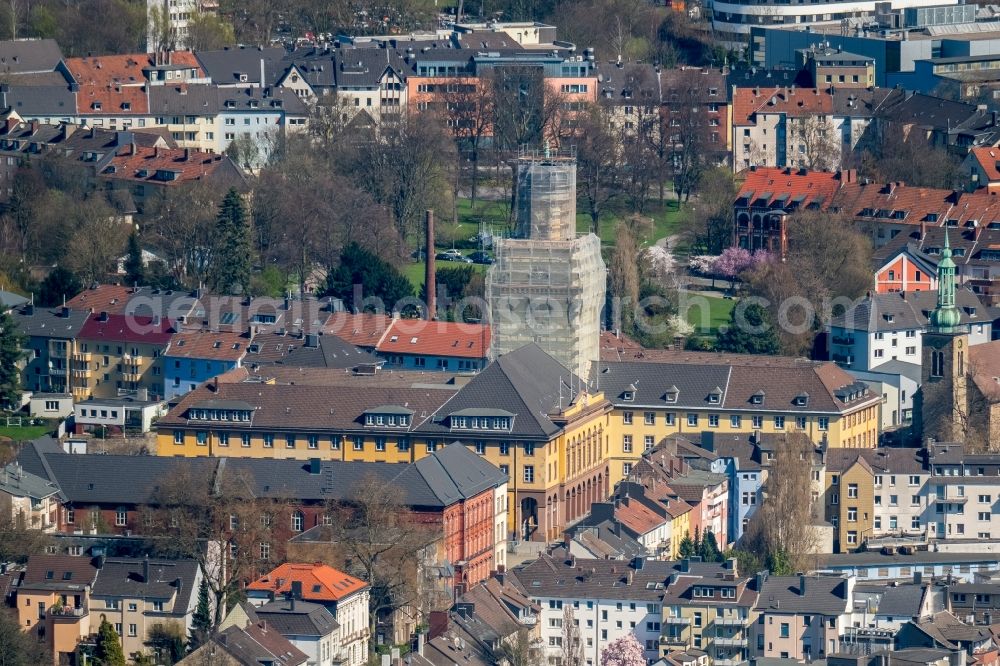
(941, 404)
(946, 318)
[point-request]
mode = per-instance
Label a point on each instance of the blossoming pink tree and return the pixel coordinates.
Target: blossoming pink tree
(734, 261)
(625, 651)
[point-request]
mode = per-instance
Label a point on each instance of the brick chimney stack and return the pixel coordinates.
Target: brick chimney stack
(429, 281)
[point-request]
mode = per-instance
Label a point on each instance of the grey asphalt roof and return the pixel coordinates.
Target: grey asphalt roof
(245, 645)
(29, 55)
(902, 600)
(49, 323)
(91, 478)
(449, 475)
(124, 578)
(526, 382)
(907, 311)
(456, 473)
(224, 66)
(298, 618)
(332, 352)
(210, 100)
(824, 595)
(18, 482)
(9, 299)
(559, 576)
(53, 100)
(362, 68)
(650, 382)
(896, 367)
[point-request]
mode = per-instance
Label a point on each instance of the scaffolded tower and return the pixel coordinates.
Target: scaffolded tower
(547, 285)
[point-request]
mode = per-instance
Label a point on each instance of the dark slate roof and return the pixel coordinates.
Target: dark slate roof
(126, 578)
(49, 323)
(52, 100)
(364, 67)
(331, 352)
(65, 571)
(223, 67)
(908, 310)
(824, 595)
(695, 377)
(451, 474)
(310, 408)
(94, 478)
(23, 56)
(903, 600)
(456, 473)
(559, 575)
(297, 618)
(201, 99)
(526, 382)
(650, 382)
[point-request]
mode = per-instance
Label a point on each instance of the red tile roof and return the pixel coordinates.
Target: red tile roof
(320, 582)
(912, 205)
(363, 330)
(790, 101)
(638, 517)
(110, 298)
(775, 182)
(220, 346)
(114, 81)
(127, 328)
(149, 164)
(436, 338)
(988, 159)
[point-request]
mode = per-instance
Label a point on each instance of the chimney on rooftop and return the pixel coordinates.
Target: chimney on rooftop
(187, 154)
(430, 287)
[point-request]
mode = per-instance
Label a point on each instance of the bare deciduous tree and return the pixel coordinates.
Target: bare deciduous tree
(572, 643)
(781, 531)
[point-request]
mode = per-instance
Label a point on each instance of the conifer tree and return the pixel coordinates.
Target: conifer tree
(109, 648)
(232, 250)
(134, 273)
(11, 345)
(201, 623)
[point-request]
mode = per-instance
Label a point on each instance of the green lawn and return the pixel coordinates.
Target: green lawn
(24, 432)
(666, 220)
(414, 271)
(707, 313)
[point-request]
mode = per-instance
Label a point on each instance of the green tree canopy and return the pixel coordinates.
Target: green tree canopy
(201, 623)
(134, 269)
(11, 345)
(376, 278)
(60, 283)
(232, 250)
(749, 332)
(109, 648)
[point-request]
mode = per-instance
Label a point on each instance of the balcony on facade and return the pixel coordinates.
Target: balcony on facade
(847, 340)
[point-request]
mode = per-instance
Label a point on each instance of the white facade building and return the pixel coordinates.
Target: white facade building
(889, 327)
(732, 20)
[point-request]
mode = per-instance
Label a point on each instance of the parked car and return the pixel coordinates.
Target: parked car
(448, 256)
(480, 257)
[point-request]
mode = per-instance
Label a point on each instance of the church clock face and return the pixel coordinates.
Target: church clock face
(958, 343)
